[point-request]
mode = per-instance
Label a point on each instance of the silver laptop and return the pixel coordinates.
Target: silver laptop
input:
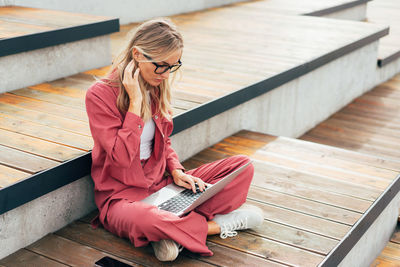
(180, 201)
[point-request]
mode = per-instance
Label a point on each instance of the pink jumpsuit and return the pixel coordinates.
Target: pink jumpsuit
(121, 180)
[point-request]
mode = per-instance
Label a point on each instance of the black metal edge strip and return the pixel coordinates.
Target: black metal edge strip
(207, 110)
(337, 254)
(334, 9)
(387, 60)
(44, 182)
(14, 45)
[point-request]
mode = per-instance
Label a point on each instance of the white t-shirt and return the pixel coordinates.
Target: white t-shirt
(146, 139)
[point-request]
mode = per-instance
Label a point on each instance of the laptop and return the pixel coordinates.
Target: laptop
(180, 201)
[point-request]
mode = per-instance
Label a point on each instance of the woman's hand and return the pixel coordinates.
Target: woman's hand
(132, 88)
(187, 181)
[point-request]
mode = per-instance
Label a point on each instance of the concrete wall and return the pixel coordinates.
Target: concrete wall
(51, 63)
(291, 109)
(370, 245)
(354, 13)
(128, 11)
(387, 71)
(28, 223)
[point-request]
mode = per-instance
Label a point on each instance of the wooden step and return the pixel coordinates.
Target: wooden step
(309, 208)
(34, 42)
(121, 8)
(49, 120)
(25, 29)
(369, 124)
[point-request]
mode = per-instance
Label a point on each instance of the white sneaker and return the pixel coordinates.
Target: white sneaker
(245, 217)
(166, 249)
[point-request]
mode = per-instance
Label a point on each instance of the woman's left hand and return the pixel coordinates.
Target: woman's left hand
(187, 181)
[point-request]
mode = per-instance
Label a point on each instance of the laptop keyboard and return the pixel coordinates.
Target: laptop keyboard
(181, 201)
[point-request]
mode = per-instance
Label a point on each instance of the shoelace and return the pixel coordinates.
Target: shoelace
(228, 230)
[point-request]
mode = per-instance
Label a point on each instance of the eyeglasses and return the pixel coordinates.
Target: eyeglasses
(160, 69)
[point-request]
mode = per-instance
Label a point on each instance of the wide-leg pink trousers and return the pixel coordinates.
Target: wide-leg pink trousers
(142, 223)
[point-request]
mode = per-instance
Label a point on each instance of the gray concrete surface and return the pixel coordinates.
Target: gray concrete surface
(26, 224)
(51, 63)
(369, 247)
(354, 13)
(126, 11)
(387, 71)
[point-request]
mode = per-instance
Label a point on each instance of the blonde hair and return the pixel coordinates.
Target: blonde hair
(158, 39)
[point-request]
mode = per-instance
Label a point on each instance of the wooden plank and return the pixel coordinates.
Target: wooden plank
(309, 167)
(50, 134)
(71, 92)
(304, 222)
(304, 206)
(289, 151)
(225, 256)
(102, 240)
(368, 105)
(365, 121)
(66, 101)
(104, 70)
(44, 118)
(323, 136)
(10, 175)
(391, 253)
(270, 249)
(295, 237)
(24, 161)
(272, 176)
(69, 252)
(369, 113)
(326, 151)
(23, 258)
(54, 109)
(51, 18)
(10, 29)
(38, 147)
(380, 140)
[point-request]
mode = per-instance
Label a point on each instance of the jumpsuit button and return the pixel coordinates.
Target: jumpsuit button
(156, 117)
(140, 126)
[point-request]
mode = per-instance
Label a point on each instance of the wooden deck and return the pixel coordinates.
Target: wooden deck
(311, 195)
(24, 29)
(46, 124)
(370, 125)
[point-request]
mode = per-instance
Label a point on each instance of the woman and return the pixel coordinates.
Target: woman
(130, 119)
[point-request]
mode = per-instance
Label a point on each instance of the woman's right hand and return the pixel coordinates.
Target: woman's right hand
(132, 88)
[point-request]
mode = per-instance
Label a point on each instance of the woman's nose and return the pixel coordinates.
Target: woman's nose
(165, 75)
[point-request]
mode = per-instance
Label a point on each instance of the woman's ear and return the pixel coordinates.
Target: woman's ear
(135, 54)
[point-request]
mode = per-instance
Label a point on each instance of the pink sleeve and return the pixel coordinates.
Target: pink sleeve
(120, 139)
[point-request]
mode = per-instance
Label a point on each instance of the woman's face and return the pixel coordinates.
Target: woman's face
(147, 68)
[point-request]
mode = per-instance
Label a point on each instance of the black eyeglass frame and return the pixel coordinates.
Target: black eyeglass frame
(168, 67)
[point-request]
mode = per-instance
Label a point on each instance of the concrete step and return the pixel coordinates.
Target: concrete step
(38, 45)
(340, 9)
(318, 210)
(285, 84)
(387, 12)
